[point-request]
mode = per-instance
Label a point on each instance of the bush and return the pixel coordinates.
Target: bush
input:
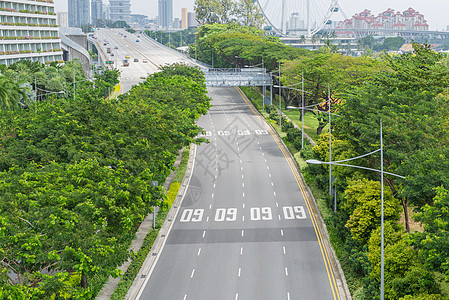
(286, 125)
(293, 134)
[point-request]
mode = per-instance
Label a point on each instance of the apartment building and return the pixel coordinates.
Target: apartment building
(409, 19)
(120, 10)
(28, 31)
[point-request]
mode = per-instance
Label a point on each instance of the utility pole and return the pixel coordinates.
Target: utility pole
(280, 98)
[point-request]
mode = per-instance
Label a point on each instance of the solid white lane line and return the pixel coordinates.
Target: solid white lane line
(282, 232)
(193, 272)
(240, 270)
(286, 271)
(241, 250)
(204, 233)
(199, 251)
(210, 206)
(277, 204)
(283, 249)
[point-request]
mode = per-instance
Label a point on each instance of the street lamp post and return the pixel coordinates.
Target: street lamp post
(382, 172)
(154, 183)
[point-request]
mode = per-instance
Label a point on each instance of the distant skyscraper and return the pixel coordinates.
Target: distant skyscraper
(120, 10)
(96, 11)
(79, 13)
(62, 19)
(192, 22)
(184, 18)
(165, 13)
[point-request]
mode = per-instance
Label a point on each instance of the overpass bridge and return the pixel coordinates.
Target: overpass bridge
(408, 35)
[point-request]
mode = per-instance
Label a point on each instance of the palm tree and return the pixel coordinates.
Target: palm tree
(12, 95)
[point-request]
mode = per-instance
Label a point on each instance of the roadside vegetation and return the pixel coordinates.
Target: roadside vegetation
(75, 169)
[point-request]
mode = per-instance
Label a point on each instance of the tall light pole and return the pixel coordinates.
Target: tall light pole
(382, 172)
(280, 98)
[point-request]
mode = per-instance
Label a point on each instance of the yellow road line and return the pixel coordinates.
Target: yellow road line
(295, 173)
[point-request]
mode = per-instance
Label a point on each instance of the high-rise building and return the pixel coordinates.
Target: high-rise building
(184, 18)
(165, 8)
(96, 11)
(79, 13)
(62, 19)
(120, 10)
(31, 31)
(191, 17)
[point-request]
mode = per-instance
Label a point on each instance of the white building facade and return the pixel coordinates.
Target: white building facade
(28, 31)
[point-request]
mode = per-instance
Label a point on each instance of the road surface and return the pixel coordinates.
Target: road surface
(244, 230)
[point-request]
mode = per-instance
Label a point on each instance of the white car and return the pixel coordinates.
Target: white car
(145, 60)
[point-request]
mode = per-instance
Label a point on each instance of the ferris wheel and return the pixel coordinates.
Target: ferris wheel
(298, 17)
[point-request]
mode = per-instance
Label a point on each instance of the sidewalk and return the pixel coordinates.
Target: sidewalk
(144, 228)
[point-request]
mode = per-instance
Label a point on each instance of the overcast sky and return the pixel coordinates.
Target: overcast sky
(435, 11)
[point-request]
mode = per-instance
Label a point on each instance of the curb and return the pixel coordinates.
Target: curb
(148, 265)
(336, 267)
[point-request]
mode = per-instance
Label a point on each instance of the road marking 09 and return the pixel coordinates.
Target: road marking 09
(260, 213)
(222, 214)
(291, 213)
(192, 215)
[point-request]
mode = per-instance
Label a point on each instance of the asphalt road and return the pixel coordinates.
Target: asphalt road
(244, 230)
(144, 49)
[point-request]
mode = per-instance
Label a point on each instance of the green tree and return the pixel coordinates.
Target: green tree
(433, 242)
(362, 204)
(12, 94)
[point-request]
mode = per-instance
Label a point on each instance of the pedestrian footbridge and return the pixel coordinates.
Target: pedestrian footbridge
(237, 77)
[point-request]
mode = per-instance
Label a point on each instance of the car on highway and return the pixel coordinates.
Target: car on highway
(136, 60)
(115, 47)
(137, 40)
(145, 61)
(127, 56)
(112, 54)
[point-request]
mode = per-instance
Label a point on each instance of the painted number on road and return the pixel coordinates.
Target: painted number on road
(190, 215)
(222, 214)
(225, 132)
(243, 132)
(259, 132)
(291, 213)
(260, 213)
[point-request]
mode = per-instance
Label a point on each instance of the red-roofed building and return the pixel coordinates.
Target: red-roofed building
(410, 19)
